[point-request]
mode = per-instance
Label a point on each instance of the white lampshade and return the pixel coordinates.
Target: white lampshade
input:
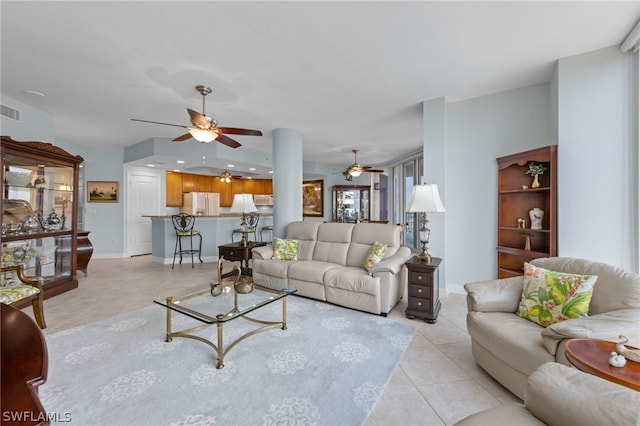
(204, 136)
(355, 172)
(243, 203)
(425, 198)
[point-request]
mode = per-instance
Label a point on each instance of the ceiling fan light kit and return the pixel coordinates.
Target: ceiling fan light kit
(204, 136)
(205, 129)
(356, 169)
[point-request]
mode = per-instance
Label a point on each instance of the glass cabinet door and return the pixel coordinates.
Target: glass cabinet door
(351, 203)
(39, 205)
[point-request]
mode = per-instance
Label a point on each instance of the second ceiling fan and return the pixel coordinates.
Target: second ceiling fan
(356, 169)
(205, 129)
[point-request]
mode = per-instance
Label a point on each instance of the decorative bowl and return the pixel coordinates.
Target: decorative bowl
(18, 178)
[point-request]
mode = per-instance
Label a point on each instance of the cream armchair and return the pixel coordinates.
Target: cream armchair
(557, 395)
(510, 348)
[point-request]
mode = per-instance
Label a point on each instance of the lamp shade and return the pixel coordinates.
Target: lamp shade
(425, 198)
(204, 136)
(243, 203)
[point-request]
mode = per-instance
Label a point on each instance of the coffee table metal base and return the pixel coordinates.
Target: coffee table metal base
(221, 351)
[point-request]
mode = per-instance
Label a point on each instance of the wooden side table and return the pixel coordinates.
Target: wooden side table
(592, 356)
(423, 301)
(235, 252)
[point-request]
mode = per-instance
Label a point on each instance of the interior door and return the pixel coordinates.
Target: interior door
(143, 199)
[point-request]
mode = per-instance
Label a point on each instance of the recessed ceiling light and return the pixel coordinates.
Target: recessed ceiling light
(34, 92)
(180, 161)
(252, 168)
(230, 165)
(151, 165)
(271, 171)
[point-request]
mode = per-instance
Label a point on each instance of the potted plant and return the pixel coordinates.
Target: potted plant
(535, 170)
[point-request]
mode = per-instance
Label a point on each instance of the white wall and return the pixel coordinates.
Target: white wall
(478, 131)
(598, 158)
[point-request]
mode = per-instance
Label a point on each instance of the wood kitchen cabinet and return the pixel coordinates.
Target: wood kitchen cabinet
(174, 189)
(177, 183)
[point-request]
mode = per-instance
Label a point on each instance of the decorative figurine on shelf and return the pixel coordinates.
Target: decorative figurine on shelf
(536, 214)
(521, 223)
(617, 360)
(527, 241)
(535, 170)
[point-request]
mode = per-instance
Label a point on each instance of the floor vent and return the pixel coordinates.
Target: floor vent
(10, 113)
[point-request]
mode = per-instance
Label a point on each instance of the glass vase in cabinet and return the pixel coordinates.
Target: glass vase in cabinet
(39, 206)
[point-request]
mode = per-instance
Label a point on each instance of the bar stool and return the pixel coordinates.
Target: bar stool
(183, 225)
(265, 228)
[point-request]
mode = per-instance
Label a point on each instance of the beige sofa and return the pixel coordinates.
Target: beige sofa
(510, 348)
(558, 395)
(329, 265)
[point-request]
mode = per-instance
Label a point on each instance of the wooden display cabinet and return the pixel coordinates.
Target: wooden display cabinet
(39, 212)
(351, 203)
(517, 242)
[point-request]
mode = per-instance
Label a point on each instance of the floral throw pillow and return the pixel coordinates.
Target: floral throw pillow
(549, 297)
(375, 255)
(285, 249)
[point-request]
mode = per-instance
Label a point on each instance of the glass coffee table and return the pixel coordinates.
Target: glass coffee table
(226, 306)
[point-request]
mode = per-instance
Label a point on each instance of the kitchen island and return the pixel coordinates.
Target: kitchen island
(215, 231)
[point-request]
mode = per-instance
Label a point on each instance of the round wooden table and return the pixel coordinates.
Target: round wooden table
(592, 356)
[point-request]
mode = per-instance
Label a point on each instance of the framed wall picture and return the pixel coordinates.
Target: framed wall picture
(313, 198)
(102, 191)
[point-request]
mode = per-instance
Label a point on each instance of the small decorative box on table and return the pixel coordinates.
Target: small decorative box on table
(423, 301)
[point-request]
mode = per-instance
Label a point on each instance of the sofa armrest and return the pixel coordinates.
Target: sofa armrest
(262, 252)
(560, 395)
(502, 295)
(607, 326)
(392, 264)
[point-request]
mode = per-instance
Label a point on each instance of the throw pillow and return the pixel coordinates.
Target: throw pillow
(285, 249)
(375, 255)
(549, 297)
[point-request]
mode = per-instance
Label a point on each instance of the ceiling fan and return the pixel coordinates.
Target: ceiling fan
(226, 176)
(356, 169)
(205, 129)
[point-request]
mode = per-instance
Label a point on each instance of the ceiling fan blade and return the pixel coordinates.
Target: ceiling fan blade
(228, 141)
(183, 137)
(197, 119)
(236, 131)
(158, 122)
(368, 169)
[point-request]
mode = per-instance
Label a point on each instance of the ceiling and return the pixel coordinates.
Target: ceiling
(347, 74)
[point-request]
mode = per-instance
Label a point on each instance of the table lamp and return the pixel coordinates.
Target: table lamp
(243, 204)
(425, 198)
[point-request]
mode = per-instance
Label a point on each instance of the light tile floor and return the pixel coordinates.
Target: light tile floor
(436, 383)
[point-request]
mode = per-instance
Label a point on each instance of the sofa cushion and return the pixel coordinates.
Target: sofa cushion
(616, 289)
(512, 340)
(333, 243)
(309, 270)
(305, 233)
(549, 297)
(352, 279)
(375, 255)
(560, 395)
(285, 249)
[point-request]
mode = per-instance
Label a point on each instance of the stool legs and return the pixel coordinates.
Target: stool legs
(178, 249)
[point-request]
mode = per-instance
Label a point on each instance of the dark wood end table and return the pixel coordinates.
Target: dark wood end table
(236, 252)
(423, 301)
(592, 356)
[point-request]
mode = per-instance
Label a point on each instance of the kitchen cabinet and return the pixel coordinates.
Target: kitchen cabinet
(174, 189)
(39, 212)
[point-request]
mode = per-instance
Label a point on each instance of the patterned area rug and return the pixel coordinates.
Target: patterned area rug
(328, 368)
